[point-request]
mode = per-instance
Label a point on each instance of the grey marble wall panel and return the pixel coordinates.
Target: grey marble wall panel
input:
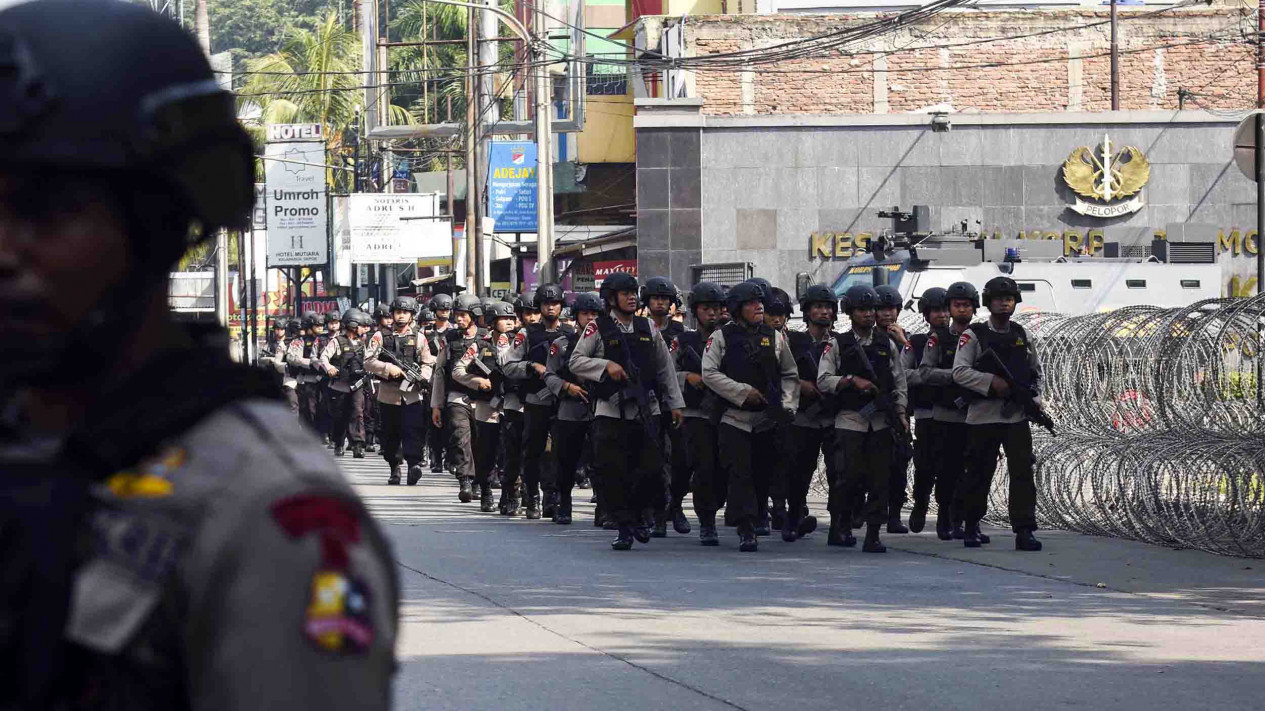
(757, 229)
(652, 188)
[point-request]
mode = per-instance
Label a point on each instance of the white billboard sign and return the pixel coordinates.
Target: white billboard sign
(298, 222)
(295, 132)
(389, 228)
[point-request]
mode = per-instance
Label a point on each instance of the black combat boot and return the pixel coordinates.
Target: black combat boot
(789, 526)
(465, 494)
(970, 538)
(551, 504)
(486, 504)
(583, 481)
(494, 479)
(1025, 541)
(625, 539)
(414, 474)
(778, 514)
(707, 534)
(957, 533)
(680, 523)
(807, 525)
(894, 525)
(762, 526)
(339, 450)
(436, 466)
(944, 530)
(641, 532)
(983, 537)
(747, 542)
(358, 451)
(660, 529)
(918, 518)
(872, 543)
(394, 478)
(533, 505)
(835, 536)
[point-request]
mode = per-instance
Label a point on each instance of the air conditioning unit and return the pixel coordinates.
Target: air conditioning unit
(1184, 252)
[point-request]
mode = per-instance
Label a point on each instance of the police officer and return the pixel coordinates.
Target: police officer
(812, 433)
(453, 402)
(441, 305)
(985, 352)
(274, 358)
(332, 321)
(344, 362)
(436, 439)
(857, 367)
(698, 433)
(401, 400)
(525, 309)
(750, 367)
(627, 364)
(478, 370)
(167, 460)
(777, 311)
(660, 297)
(574, 415)
(301, 357)
(510, 434)
(887, 315)
(525, 364)
(934, 308)
(950, 432)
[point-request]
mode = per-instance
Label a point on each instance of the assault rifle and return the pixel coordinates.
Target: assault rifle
(494, 375)
(884, 402)
(1020, 394)
(710, 404)
(772, 390)
(413, 378)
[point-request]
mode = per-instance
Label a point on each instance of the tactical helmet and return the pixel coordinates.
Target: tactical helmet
(889, 297)
(470, 304)
(962, 290)
(706, 292)
(740, 294)
(1001, 286)
(659, 286)
(587, 301)
(565, 314)
(117, 87)
(933, 298)
(356, 317)
(332, 317)
(404, 303)
(280, 323)
(292, 328)
(780, 304)
(311, 319)
(617, 282)
(548, 292)
(440, 302)
(425, 315)
(523, 302)
(498, 309)
(861, 296)
(818, 294)
(765, 286)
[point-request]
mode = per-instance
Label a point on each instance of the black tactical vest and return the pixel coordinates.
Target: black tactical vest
(751, 359)
(879, 353)
(672, 330)
(457, 346)
(801, 343)
(564, 372)
(921, 397)
(949, 395)
(1011, 347)
(634, 352)
(538, 340)
(691, 346)
(350, 359)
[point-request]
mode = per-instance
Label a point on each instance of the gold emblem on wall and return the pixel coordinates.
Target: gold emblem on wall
(1111, 180)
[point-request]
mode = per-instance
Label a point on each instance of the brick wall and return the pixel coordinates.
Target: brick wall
(1058, 71)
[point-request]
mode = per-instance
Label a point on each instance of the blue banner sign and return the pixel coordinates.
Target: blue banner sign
(512, 181)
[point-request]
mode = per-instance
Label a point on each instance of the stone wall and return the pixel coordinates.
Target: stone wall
(1058, 64)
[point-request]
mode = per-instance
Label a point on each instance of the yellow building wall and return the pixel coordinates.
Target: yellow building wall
(608, 131)
(676, 8)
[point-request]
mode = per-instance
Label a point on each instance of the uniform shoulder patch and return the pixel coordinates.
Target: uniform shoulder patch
(828, 347)
(965, 339)
(674, 346)
(471, 352)
(590, 329)
(933, 341)
(520, 338)
(503, 340)
(554, 349)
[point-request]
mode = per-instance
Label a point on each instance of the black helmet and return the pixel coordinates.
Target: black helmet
(706, 292)
(117, 87)
(470, 304)
(356, 317)
(587, 301)
(659, 286)
(523, 302)
(332, 317)
(280, 323)
(740, 294)
(933, 298)
(292, 328)
(889, 297)
(382, 311)
(404, 303)
(498, 309)
(441, 301)
(565, 314)
(425, 315)
(780, 304)
(818, 294)
(962, 290)
(311, 319)
(548, 292)
(1001, 286)
(617, 282)
(765, 286)
(861, 296)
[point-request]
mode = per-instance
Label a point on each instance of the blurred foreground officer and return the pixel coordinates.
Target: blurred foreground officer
(198, 550)
(626, 363)
(993, 359)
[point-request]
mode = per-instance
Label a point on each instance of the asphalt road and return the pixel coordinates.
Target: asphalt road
(512, 614)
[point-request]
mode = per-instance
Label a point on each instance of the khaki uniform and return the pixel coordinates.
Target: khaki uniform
(389, 392)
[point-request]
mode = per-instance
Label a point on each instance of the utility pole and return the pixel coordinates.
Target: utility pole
(1115, 59)
(544, 152)
(489, 113)
(472, 120)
